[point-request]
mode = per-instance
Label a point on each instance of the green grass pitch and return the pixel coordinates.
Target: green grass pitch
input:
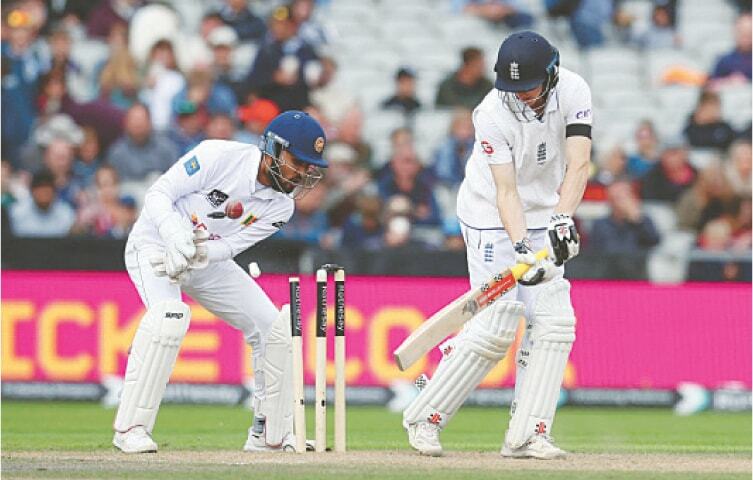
(72, 440)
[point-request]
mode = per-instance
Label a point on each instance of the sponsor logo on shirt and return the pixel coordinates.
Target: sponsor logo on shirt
(487, 147)
(192, 165)
(279, 225)
(583, 114)
(541, 153)
(217, 197)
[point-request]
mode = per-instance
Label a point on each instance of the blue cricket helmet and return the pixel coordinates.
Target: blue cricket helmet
(525, 61)
(299, 133)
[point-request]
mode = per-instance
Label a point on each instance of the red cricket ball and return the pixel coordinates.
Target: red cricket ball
(234, 209)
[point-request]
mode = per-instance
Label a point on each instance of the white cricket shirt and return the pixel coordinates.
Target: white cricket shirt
(536, 148)
(205, 180)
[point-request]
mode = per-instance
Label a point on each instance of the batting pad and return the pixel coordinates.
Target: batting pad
(474, 352)
(150, 362)
(552, 337)
(276, 405)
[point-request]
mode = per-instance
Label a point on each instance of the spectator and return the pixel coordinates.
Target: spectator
(363, 229)
(55, 127)
(58, 161)
(404, 98)
(77, 80)
(88, 159)
(705, 126)
(671, 176)
(467, 86)
(208, 94)
(141, 151)
(406, 176)
(709, 197)
(351, 133)
(162, 82)
(510, 12)
(453, 152)
(660, 33)
(285, 67)
(223, 40)
(309, 29)
(398, 225)
(248, 26)
(255, 117)
(42, 214)
(640, 162)
(453, 236)
(103, 213)
(11, 189)
(611, 167)
(108, 13)
(587, 18)
(346, 182)
(22, 66)
(716, 236)
(220, 127)
(119, 79)
(99, 114)
(742, 235)
(188, 130)
(627, 230)
(332, 99)
(738, 168)
(735, 67)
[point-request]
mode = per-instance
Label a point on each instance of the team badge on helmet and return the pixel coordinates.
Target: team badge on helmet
(319, 144)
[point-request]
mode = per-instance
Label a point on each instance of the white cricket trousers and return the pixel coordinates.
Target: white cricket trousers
(489, 253)
(223, 288)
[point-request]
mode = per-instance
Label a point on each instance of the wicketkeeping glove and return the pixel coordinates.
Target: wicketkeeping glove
(564, 241)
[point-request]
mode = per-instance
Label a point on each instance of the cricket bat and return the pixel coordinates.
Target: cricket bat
(450, 318)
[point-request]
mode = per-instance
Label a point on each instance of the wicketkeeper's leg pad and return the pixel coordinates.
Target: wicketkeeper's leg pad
(150, 362)
(474, 352)
(552, 336)
(275, 404)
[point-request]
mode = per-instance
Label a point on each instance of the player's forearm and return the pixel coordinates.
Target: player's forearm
(511, 213)
(157, 205)
(578, 154)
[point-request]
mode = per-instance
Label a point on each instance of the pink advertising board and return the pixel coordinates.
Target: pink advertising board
(77, 327)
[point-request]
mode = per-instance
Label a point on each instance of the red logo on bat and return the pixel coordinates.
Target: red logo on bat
(487, 147)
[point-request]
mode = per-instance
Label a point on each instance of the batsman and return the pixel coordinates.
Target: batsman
(524, 179)
(216, 201)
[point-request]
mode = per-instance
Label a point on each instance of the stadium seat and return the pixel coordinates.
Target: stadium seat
(736, 104)
(381, 123)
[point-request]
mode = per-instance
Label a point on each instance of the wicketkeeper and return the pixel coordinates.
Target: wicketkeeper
(218, 199)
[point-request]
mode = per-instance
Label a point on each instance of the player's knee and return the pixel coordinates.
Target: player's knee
(492, 332)
(169, 319)
(554, 315)
(279, 332)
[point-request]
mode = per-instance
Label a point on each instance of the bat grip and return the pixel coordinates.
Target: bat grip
(520, 269)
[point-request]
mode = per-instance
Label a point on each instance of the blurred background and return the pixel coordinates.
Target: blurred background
(100, 97)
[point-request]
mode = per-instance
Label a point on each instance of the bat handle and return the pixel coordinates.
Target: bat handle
(521, 268)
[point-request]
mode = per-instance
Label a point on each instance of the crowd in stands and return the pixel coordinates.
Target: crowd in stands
(81, 142)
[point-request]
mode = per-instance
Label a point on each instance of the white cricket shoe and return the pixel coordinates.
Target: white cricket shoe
(424, 437)
(257, 443)
(135, 440)
(538, 446)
